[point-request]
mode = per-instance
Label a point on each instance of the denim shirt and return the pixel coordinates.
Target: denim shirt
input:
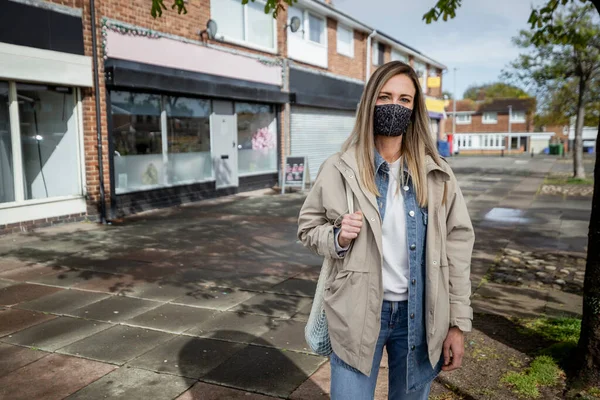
(419, 370)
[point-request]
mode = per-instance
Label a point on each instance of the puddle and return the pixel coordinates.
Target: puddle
(510, 215)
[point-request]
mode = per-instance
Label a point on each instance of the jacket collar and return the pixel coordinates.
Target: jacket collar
(349, 157)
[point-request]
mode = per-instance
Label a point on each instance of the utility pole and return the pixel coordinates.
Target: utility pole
(454, 110)
(509, 129)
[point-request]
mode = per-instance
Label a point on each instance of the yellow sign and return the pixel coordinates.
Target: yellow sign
(435, 105)
(434, 82)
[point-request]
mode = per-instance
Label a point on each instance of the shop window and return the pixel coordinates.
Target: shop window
(49, 143)
(188, 124)
(257, 138)
(7, 181)
(138, 140)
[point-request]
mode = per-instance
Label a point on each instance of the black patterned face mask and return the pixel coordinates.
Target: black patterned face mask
(391, 119)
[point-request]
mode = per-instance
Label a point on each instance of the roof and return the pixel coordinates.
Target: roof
(501, 105)
(379, 35)
(495, 105)
(461, 106)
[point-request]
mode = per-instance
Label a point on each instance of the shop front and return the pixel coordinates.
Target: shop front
(42, 173)
(180, 135)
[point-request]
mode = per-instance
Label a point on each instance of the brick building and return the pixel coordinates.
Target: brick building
(182, 115)
(494, 126)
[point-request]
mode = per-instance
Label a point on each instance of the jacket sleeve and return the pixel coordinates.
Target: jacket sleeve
(315, 222)
(459, 248)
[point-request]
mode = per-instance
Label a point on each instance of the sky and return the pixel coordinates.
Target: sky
(477, 42)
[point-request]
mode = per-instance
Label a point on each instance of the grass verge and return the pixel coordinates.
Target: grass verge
(547, 368)
(561, 181)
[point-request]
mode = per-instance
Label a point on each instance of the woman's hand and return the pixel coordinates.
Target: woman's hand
(454, 349)
(351, 226)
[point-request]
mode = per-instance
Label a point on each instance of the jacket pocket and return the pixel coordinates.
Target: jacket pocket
(355, 259)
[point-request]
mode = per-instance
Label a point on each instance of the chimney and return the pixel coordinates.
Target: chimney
(328, 2)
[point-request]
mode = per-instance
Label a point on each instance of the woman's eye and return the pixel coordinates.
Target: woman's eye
(405, 100)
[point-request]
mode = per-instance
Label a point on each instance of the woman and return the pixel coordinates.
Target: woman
(401, 275)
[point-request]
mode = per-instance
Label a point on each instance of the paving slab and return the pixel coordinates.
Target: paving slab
(115, 309)
(218, 298)
(14, 357)
(63, 302)
(29, 273)
(117, 345)
(265, 370)
(172, 318)
(13, 320)
(512, 301)
(296, 287)
(187, 356)
(236, 327)
(23, 292)
(134, 384)
(315, 387)
(273, 305)
(562, 304)
(110, 283)
(57, 333)
(303, 314)
(159, 292)
(206, 391)
(53, 377)
(286, 335)
(64, 277)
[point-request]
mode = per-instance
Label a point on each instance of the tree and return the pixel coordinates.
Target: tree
(448, 95)
(573, 58)
(588, 357)
(560, 105)
(271, 6)
(494, 90)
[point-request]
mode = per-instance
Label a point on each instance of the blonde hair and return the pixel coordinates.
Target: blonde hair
(417, 142)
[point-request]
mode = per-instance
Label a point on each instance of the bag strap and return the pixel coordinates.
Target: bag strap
(350, 198)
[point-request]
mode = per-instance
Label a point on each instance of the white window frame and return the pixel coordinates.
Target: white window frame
(518, 120)
(375, 53)
(397, 55)
(467, 122)
(485, 118)
(306, 23)
(22, 209)
(344, 27)
(245, 42)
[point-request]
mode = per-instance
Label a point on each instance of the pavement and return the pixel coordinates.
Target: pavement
(209, 300)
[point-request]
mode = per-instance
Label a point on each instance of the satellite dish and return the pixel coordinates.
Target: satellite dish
(211, 28)
(210, 31)
(295, 24)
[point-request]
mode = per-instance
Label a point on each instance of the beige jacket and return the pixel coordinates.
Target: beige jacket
(354, 291)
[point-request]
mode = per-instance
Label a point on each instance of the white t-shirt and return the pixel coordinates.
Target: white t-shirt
(395, 248)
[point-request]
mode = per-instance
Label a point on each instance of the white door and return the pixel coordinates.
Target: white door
(318, 133)
(223, 131)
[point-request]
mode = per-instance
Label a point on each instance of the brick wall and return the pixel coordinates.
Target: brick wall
(477, 126)
(352, 67)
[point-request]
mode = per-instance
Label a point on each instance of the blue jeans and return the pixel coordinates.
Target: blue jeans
(348, 383)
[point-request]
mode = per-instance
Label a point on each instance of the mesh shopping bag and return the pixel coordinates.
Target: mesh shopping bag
(316, 331)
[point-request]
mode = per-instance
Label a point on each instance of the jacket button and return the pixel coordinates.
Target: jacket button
(414, 281)
(406, 188)
(412, 213)
(412, 316)
(413, 246)
(412, 347)
(435, 263)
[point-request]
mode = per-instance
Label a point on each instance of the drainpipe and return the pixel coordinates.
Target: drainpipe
(373, 34)
(102, 202)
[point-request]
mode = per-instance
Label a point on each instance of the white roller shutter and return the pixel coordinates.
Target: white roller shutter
(318, 133)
